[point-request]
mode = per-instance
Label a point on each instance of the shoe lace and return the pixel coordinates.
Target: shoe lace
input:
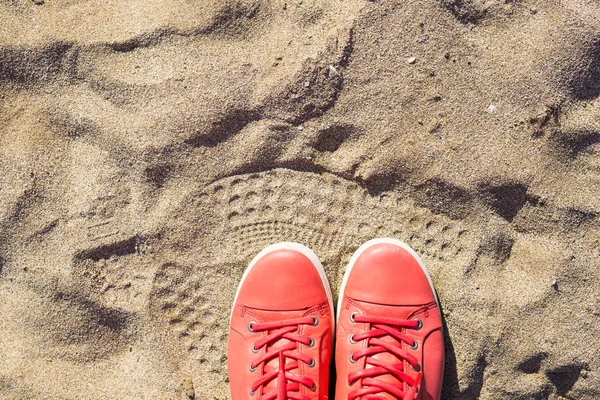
(381, 327)
(288, 384)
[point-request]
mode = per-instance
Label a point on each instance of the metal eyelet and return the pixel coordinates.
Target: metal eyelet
(252, 393)
(312, 363)
(315, 321)
(312, 343)
(252, 369)
(254, 350)
(351, 339)
(414, 346)
(352, 318)
(420, 324)
(250, 326)
(352, 360)
(313, 387)
(417, 368)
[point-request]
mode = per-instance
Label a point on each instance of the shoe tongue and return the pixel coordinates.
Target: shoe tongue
(399, 312)
(272, 386)
(390, 360)
(272, 316)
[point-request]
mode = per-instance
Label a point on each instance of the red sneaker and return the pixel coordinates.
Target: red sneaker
(281, 327)
(389, 327)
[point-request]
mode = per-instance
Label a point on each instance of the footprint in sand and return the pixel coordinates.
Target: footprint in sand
(192, 295)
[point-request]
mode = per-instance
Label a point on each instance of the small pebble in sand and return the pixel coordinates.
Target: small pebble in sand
(412, 60)
(584, 374)
(187, 384)
(491, 109)
(331, 71)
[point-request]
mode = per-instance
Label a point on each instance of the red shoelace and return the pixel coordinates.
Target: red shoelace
(379, 328)
(288, 384)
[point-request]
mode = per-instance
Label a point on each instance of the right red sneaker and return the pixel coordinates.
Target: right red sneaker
(390, 343)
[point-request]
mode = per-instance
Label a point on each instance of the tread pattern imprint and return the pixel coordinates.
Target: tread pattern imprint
(238, 216)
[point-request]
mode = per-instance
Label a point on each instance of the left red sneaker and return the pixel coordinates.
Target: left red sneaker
(281, 327)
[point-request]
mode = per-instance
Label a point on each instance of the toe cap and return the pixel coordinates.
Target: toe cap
(282, 280)
(389, 274)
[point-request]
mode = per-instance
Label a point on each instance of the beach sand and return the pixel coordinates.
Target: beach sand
(149, 149)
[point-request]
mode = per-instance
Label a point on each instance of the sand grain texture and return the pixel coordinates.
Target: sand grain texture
(148, 149)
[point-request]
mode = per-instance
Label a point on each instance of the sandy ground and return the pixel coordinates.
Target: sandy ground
(148, 149)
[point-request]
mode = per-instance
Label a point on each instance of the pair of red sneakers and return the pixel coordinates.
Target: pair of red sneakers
(389, 342)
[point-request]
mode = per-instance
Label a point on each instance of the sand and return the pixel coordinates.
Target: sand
(148, 149)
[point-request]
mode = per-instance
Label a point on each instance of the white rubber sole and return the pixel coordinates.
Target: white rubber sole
(308, 253)
(369, 244)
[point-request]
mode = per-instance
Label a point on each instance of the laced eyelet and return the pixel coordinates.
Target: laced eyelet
(252, 393)
(313, 387)
(250, 326)
(352, 360)
(351, 339)
(312, 363)
(417, 368)
(414, 346)
(352, 318)
(315, 321)
(252, 369)
(312, 343)
(254, 350)
(420, 324)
